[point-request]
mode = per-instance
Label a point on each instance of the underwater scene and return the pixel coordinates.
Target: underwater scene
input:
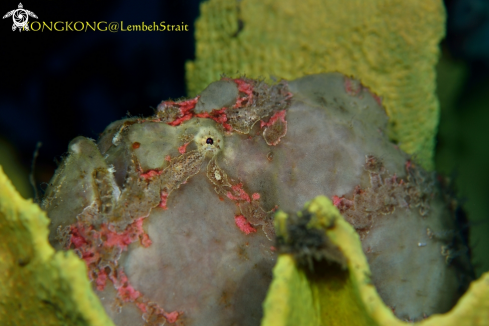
(244, 162)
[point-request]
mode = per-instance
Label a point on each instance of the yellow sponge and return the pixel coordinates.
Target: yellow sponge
(37, 285)
(390, 45)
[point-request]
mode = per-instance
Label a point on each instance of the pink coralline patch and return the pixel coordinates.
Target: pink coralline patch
(280, 115)
(182, 149)
(164, 198)
(156, 311)
(188, 105)
(79, 239)
(127, 293)
(239, 193)
(185, 108)
(89, 255)
(168, 158)
(352, 87)
(218, 116)
(113, 239)
(336, 200)
(245, 87)
(83, 238)
(180, 120)
(131, 234)
(172, 317)
(275, 128)
(81, 235)
(145, 240)
(187, 112)
(243, 224)
(255, 196)
(342, 203)
(150, 174)
(142, 307)
(77, 235)
(85, 241)
(125, 290)
(377, 98)
(408, 165)
(101, 280)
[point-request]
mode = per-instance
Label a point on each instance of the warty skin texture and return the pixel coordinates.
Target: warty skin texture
(203, 249)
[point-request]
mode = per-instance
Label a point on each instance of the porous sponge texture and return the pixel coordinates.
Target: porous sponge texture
(390, 45)
(37, 285)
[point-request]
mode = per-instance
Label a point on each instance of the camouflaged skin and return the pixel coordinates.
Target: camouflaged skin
(173, 214)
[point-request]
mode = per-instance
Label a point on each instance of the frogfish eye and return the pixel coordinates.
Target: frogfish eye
(209, 141)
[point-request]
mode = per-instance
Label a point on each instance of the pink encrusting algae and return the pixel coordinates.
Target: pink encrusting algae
(164, 198)
(243, 224)
(275, 128)
(182, 149)
(239, 193)
(218, 116)
(101, 280)
(274, 119)
(336, 200)
(92, 244)
(150, 174)
(352, 87)
(186, 107)
(244, 86)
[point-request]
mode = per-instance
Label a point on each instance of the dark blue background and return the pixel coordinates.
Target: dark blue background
(59, 85)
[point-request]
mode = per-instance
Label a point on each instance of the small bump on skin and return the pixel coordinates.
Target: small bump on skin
(270, 156)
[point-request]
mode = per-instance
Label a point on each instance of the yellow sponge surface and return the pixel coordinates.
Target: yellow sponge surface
(390, 45)
(37, 285)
